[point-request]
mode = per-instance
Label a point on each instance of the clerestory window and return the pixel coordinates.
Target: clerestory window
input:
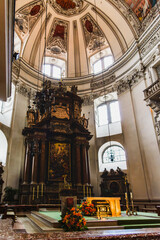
(108, 113)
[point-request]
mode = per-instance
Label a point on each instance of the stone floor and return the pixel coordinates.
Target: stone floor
(7, 233)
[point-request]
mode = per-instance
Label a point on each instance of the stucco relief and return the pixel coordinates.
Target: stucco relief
(94, 36)
(103, 82)
(26, 17)
(151, 43)
(57, 40)
(68, 7)
(128, 81)
(25, 90)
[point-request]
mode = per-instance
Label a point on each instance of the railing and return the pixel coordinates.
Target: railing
(152, 90)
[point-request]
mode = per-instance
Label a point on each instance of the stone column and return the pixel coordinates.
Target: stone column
(27, 166)
(78, 165)
(35, 163)
(42, 163)
(84, 165)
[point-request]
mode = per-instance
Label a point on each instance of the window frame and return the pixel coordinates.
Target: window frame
(113, 145)
(51, 70)
(102, 64)
(108, 103)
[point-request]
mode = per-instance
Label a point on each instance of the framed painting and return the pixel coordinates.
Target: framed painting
(59, 162)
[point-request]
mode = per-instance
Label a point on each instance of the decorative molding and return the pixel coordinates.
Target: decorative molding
(128, 81)
(58, 38)
(153, 13)
(26, 17)
(94, 37)
(129, 15)
(154, 105)
(25, 90)
(103, 82)
(151, 43)
(69, 7)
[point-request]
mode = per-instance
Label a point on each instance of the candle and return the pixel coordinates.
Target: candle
(125, 195)
(33, 193)
(37, 191)
(42, 189)
(131, 195)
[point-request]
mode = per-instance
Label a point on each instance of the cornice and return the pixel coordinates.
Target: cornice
(128, 81)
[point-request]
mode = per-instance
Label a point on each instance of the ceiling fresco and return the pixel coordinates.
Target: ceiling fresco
(26, 17)
(141, 7)
(57, 40)
(94, 37)
(68, 7)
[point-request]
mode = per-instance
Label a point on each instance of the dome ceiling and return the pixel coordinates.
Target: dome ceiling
(74, 30)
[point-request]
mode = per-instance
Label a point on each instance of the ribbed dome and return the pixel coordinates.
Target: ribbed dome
(75, 32)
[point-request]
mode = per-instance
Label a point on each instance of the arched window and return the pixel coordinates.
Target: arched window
(111, 155)
(101, 60)
(3, 148)
(53, 67)
(52, 70)
(108, 113)
(102, 64)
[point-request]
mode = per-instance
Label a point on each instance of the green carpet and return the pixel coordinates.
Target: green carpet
(57, 215)
(141, 217)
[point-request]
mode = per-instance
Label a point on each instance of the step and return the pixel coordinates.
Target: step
(138, 221)
(18, 227)
(137, 226)
(40, 225)
(105, 228)
(46, 219)
(100, 223)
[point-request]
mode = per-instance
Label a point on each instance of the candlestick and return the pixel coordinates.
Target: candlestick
(90, 192)
(37, 191)
(87, 191)
(131, 196)
(33, 193)
(42, 189)
(125, 195)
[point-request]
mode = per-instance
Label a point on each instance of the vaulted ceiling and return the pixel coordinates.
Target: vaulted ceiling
(74, 31)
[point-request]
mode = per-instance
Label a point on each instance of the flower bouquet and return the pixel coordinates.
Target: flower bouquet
(73, 220)
(88, 209)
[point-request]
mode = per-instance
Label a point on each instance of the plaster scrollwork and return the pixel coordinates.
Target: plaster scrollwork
(94, 36)
(89, 99)
(128, 14)
(57, 40)
(25, 90)
(151, 43)
(103, 82)
(154, 12)
(154, 105)
(68, 7)
(26, 17)
(128, 81)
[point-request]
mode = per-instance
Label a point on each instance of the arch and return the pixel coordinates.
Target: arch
(110, 165)
(3, 148)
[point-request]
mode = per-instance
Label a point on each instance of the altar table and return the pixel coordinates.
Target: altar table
(114, 204)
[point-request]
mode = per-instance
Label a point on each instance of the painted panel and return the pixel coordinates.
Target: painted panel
(141, 7)
(59, 161)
